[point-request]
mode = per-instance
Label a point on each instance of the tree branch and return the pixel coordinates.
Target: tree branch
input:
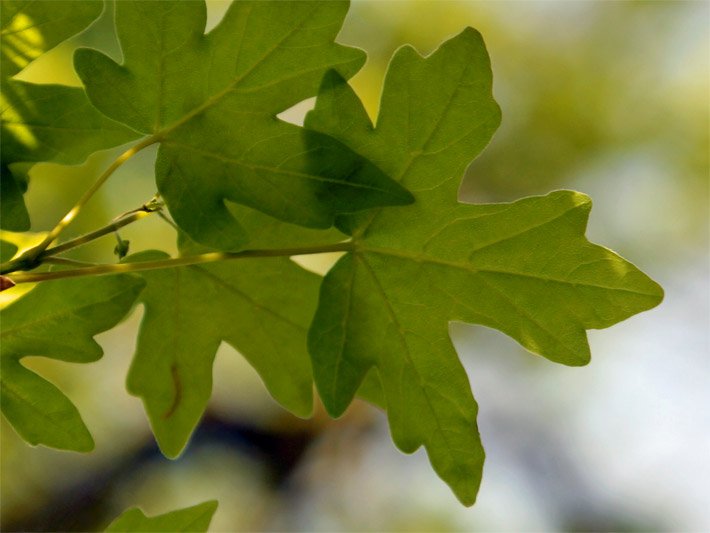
(66, 220)
(98, 270)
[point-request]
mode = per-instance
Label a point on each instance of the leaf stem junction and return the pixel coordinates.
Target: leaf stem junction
(35, 252)
(30, 260)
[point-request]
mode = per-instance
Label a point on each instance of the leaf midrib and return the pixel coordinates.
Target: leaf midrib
(468, 267)
(274, 169)
(42, 415)
(414, 155)
(215, 279)
(216, 98)
(405, 345)
(344, 337)
(62, 313)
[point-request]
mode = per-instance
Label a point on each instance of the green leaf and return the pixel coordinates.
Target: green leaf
(212, 100)
(54, 123)
(195, 518)
(38, 410)
(44, 122)
(58, 319)
(267, 232)
(7, 251)
(30, 28)
(12, 205)
(523, 268)
(261, 307)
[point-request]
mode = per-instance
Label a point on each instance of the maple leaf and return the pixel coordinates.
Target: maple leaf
(524, 268)
(52, 123)
(195, 518)
(57, 320)
(261, 307)
(31, 27)
(211, 101)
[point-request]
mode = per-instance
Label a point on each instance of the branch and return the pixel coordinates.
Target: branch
(211, 257)
(83, 239)
(66, 220)
(26, 261)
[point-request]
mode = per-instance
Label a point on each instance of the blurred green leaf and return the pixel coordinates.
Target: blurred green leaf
(54, 123)
(195, 518)
(31, 28)
(261, 307)
(211, 100)
(7, 251)
(12, 205)
(44, 122)
(58, 319)
(523, 268)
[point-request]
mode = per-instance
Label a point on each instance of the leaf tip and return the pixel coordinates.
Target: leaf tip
(655, 291)
(82, 59)
(402, 196)
(466, 499)
(582, 358)
(660, 293)
(472, 33)
(211, 505)
(302, 408)
(575, 198)
(577, 354)
(86, 445)
(83, 442)
(335, 407)
(170, 447)
(580, 199)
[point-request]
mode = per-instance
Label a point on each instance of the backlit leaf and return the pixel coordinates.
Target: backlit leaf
(7, 251)
(261, 307)
(30, 28)
(58, 319)
(523, 268)
(12, 205)
(196, 518)
(211, 101)
(51, 123)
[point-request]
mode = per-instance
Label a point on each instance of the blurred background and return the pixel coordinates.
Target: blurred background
(608, 98)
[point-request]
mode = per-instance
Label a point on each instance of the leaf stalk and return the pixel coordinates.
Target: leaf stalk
(211, 257)
(74, 211)
(28, 261)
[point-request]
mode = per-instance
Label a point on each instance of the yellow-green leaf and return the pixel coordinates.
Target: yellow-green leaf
(190, 519)
(30, 28)
(211, 101)
(44, 122)
(523, 268)
(261, 307)
(58, 319)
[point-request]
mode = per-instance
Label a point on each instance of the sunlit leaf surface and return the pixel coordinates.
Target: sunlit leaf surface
(523, 268)
(261, 307)
(29, 28)
(196, 518)
(58, 319)
(44, 122)
(212, 100)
